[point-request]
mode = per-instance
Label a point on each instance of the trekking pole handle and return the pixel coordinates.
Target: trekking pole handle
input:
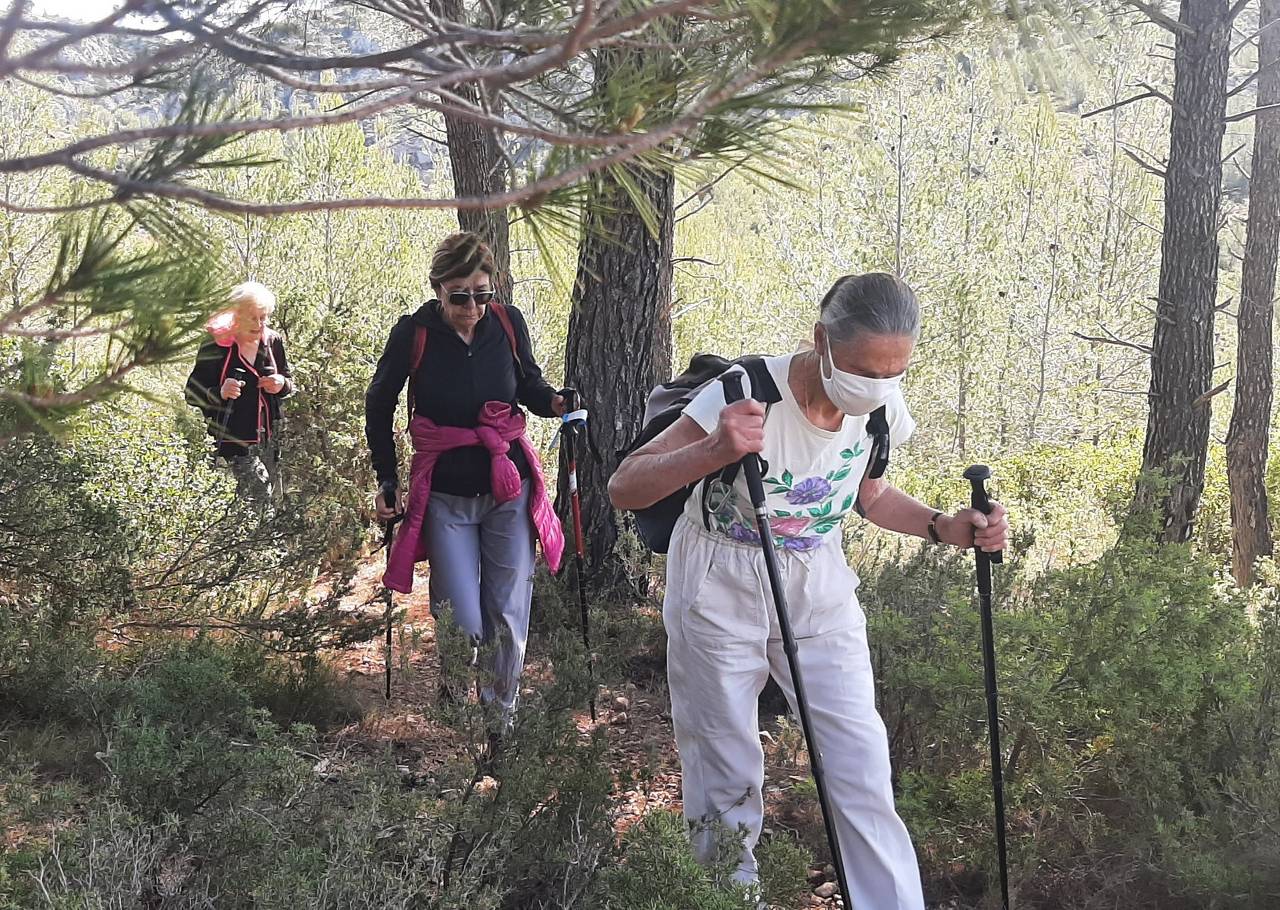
(575, 416)
(732, 382)
(978, 475)
(388, 489)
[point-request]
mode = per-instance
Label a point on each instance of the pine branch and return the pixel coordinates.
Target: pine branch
(1209, 395)
(1251, 38)
(51, 401)
(1112, 338)
(536, 56)
(1238, 8)
(1252, 77)
(1119, 104)
(1245, 115)
(636, 145)
(12, 22)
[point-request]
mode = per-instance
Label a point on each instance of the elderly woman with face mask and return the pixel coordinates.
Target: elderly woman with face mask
(240, 377)
(723, 636)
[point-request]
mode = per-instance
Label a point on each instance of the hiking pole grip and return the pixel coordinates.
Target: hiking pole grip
(228, 404)
(978, 475)
(732, 383)
(575, 415)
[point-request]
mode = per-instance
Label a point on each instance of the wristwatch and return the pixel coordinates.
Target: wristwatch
(933, 527)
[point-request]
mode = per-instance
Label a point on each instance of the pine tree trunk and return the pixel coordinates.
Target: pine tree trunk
(1177, 437)
(1251, 417)
(619, 343)
(479, 169)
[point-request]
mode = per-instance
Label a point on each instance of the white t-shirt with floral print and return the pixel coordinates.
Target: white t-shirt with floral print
(812, 475)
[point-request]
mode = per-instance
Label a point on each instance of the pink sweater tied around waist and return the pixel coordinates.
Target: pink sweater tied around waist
(499, 426)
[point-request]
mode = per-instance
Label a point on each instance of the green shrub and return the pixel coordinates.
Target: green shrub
(784, 870)
(658, 872)
(1130, 691)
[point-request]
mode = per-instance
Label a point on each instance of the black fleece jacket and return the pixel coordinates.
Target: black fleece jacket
(454, 381)
(253, 416)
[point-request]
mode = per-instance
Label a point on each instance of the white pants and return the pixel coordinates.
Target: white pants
(722, 645)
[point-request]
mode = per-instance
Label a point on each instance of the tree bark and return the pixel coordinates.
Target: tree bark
(1249, 434)
(619, 343)
(1177, 437)
(479, 169)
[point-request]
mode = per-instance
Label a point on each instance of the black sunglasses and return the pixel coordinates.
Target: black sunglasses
(462, 298)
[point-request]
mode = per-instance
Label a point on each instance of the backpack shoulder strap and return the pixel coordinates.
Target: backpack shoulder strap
(504, 318)
(763, 388)
(269, 339)
(419, 346)
(878, 462)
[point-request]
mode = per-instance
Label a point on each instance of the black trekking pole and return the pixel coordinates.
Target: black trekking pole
(574, 422)
(978, 475)
(751, 466)
(388, 538)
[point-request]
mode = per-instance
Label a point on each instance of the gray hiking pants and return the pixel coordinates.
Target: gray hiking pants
(482, 557)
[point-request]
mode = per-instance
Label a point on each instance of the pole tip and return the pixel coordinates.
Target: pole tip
(977, 472)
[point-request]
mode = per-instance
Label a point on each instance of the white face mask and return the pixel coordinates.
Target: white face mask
(856, 395)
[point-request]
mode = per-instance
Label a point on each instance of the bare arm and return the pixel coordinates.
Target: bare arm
(888, 507)
(683, 453)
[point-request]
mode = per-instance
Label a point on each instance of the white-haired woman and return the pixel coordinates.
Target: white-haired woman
(240, 376)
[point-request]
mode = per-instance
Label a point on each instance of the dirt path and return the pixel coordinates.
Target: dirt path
(638, 721)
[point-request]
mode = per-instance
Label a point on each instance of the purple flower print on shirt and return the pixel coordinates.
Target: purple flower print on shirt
(811, 489)
(801, 544)
(741, 533)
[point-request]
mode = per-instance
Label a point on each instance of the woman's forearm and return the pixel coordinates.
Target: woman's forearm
(894, 510)
(645, 478)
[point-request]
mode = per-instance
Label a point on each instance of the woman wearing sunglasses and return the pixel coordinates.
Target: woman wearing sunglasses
(476, 497)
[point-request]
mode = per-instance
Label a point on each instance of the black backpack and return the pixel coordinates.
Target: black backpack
(667, 402)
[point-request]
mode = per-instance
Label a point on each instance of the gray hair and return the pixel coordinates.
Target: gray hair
(871, 304)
